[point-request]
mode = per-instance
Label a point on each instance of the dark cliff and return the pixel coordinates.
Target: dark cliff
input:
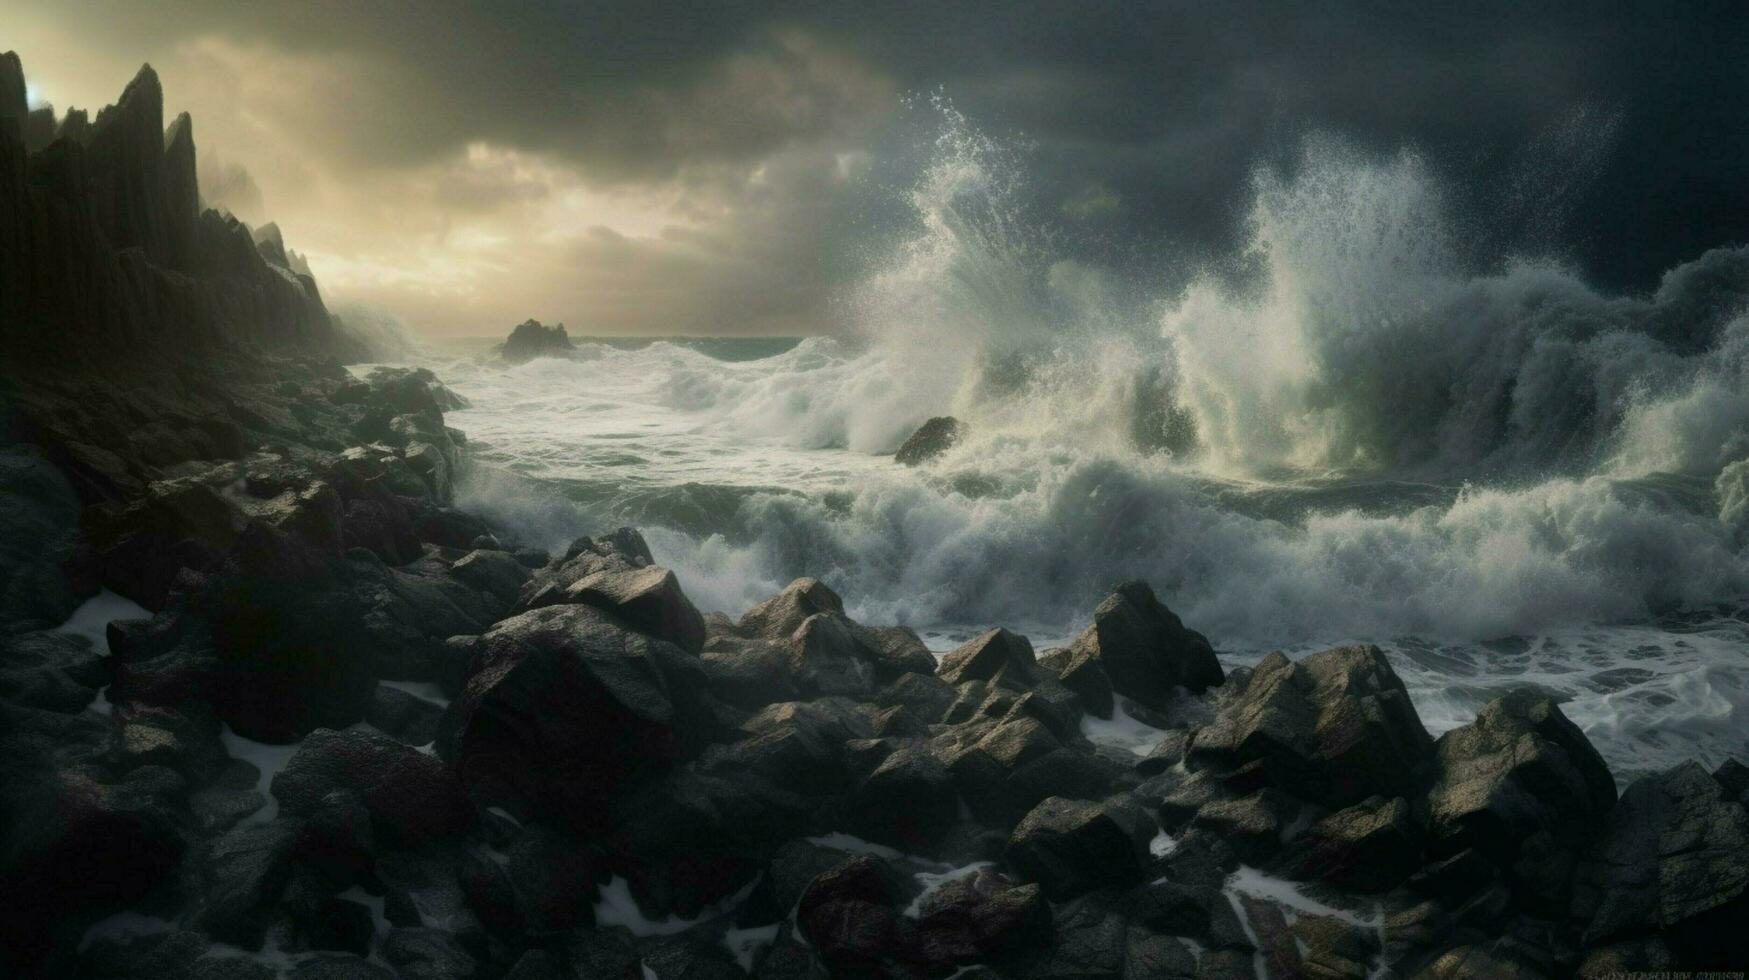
(106, 255)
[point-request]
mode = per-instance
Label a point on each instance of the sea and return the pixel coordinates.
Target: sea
(1501, 475)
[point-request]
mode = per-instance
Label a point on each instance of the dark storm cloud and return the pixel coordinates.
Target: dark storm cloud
(1615, 135)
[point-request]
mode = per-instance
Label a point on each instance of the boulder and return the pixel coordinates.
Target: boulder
(410, 719)
(1074, 846)
(908, 801)
(781, 615)
(427, 954)
(1144, 651)
(564, 707)
(341, 966)
(39, 522)
(53, 671)
(1672, 859)
(648, 599)
(849, 915)
(931, 439)
(552, 879)
(1520, 772)
(978, 917)
(996, 653)
(74, 849)
(1334, 728)
(287, 632)
(496, 573)
(411, 796)
(246, 872)
(1482, 961)
(1369, 847)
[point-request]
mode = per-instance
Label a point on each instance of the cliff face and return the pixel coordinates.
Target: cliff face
(105, 252)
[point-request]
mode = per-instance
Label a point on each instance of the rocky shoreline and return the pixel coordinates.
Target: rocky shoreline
(362, 734)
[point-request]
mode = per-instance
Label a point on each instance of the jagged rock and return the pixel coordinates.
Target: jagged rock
(1334, 728)
(14, 104)
(565, 706)
(424, 888)
(925, 694)
(1369, 847)
(427, 954)
(338, 840)
(531, 339)
(1254, 825)
(694, 836)
(496, 573)
(126, 156)
(53, 671)
(751, 676)
(552, 879)
(1072, 846)
(931, 439)
(409, 794)
(648, 599)
(39, 129)
(1479, 962)
(1672, 858)
(997, 652)
(174, 955)
(1733, 777)
(345, 966)
(1143, 651)
(691, 959)
(848, 915)
(828, 656)
(284, 629)
(74, 849)
(181, 194)
(908, 801)
(39, 521)
(1522, 784)
(407, 717)
(980, 916)
(781, 615)
(247, 870)
(537, 964)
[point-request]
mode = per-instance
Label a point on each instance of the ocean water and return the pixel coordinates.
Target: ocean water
(1500, 475)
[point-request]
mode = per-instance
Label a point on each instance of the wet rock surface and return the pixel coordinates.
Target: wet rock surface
(931, 439)
(362, 733)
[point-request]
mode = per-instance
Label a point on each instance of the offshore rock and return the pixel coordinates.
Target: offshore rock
(931, 439)
(531, 339)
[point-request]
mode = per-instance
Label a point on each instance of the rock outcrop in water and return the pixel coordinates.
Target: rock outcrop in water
(531, 339)
(931, 439)
(363, 734)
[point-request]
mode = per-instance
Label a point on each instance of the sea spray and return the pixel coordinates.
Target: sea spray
(1372, 436)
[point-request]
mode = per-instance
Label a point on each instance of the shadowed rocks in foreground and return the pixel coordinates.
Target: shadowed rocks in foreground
(362, 733)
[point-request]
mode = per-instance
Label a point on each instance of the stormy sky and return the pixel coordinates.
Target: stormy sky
(727, 167)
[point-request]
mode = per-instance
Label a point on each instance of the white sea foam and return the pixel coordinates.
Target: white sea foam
(268, 760)
(91, 620)
(1370, 439)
